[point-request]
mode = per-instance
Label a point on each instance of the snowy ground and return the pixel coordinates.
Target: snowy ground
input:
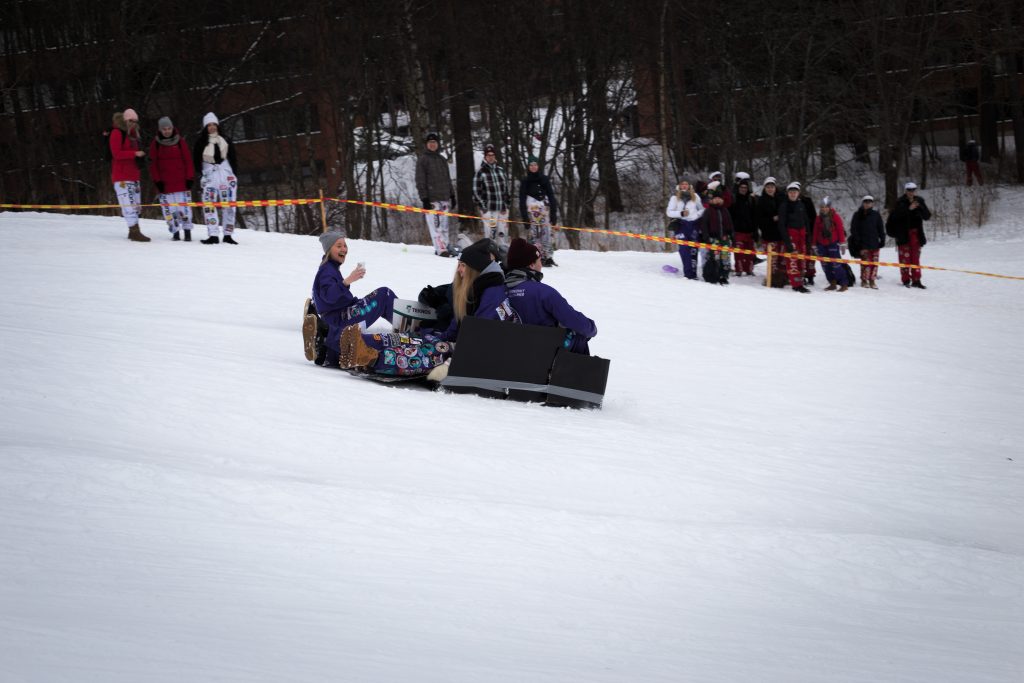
(781, 487)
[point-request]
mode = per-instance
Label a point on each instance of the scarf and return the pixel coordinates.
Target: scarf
(169, 142)
(826, 226)
(214, 144)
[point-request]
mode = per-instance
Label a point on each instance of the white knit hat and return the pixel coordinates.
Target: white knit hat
(742, 175)
(867, 198)
(716, 173)
(210, 118)
(713, 185)
(793, 186)
(769, 180)
(826, 201)
(910, 186)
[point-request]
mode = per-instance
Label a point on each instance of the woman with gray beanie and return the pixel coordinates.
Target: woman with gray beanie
(172, 172)
(336, 304)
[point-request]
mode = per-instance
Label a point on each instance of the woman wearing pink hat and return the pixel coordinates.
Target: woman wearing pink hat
(126, 157)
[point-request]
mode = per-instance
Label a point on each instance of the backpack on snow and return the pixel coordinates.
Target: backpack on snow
(712, 270)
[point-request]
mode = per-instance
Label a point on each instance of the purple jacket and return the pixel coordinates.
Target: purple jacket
(332, 298)
(540, 304)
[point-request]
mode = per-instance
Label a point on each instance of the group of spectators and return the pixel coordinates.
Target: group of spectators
(492, 195)
(788, 222)
(172, 170)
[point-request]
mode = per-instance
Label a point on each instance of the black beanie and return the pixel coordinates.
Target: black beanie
(521, 254)
(477, 255)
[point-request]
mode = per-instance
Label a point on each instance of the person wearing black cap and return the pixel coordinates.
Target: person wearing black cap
(493, 194)
(415, 355)
(906, 224)
(335, 303)
(795, 222)
(539, 205)
(536, 303)
(434, 183)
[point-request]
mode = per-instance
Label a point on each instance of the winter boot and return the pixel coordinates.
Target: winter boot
(228, 239)
(354, 353)
(873, 285)
(309, 329)
(212, 239)
(135, 235)
(831, 287)
(440, 372)
(176, 236)
(843, 288)
(188, 235)
(917, 284)
(802, 290)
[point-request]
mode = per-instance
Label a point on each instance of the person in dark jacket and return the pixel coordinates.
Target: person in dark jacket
(972, 157)
(538, 204)
(830, 242)
(767, 217)
(492, 193)
(214, 159)
(335, 303)
(744, 225)
(427, 352)
(434, 184)
(867, 237)
(126, 153)
(536, 303)
(170, 168)
(716, 230)
(906, 224)
(723, 197)
(795, 224)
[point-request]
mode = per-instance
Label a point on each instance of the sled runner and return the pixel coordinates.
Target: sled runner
(524, 363)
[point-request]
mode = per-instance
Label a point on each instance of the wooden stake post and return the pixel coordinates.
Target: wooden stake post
(768, 263)
(323, 212)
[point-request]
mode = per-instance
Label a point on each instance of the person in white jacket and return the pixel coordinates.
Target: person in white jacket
(685, 210)
(214, 157)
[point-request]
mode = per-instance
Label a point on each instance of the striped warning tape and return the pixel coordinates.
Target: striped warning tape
(416, 209)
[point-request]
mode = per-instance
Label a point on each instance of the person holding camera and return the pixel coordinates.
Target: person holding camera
(127, 158)
(906, 225)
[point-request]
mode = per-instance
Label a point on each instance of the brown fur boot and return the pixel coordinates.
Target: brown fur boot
(135, 235)
(354, 351)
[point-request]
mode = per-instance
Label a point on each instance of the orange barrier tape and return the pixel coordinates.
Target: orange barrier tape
(416, 209)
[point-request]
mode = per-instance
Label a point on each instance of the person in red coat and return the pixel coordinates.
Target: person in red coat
(171, 169)
(830, 241)
(126, 157)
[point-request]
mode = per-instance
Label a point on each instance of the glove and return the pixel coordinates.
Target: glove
(159, 186)
(188, 184)
(426, 203)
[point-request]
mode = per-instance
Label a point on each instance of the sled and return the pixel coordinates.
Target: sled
(413, 380)
(669, 269)
(524, 363)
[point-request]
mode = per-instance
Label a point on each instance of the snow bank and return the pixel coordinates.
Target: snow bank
(780, 487)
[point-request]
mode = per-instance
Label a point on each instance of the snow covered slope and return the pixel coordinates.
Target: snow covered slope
(781, 487)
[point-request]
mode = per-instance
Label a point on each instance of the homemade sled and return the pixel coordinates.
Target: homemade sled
(525, 363)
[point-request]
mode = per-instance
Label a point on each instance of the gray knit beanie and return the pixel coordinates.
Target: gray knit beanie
(328, 239)
(165, 122)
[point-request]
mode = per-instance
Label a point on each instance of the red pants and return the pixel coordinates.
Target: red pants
(911, 253)
(974, 170)
(794, 266)
(744, 262)
(778, 263)
(868, 273)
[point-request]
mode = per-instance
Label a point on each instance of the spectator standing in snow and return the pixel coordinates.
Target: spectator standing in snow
(126, 155)
(906, 225)
(767, 218)
(744, 224)
(723, 197)
(716, 230)
(795, 222)
(434, 184)
(740, 175)
(536, 303)
(867, 231)
(830, 242)
(170, 168)
(972, 159)
(493, 195)
(538, 204)
(214, 158)
(685, 209)
(335, 303)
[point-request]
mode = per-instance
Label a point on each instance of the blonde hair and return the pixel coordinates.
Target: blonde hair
(679, 192)
(462, 289)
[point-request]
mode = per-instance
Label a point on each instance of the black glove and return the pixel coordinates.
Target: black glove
(188, 184)
(426, 203)
(452, 204)
(159, 186)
